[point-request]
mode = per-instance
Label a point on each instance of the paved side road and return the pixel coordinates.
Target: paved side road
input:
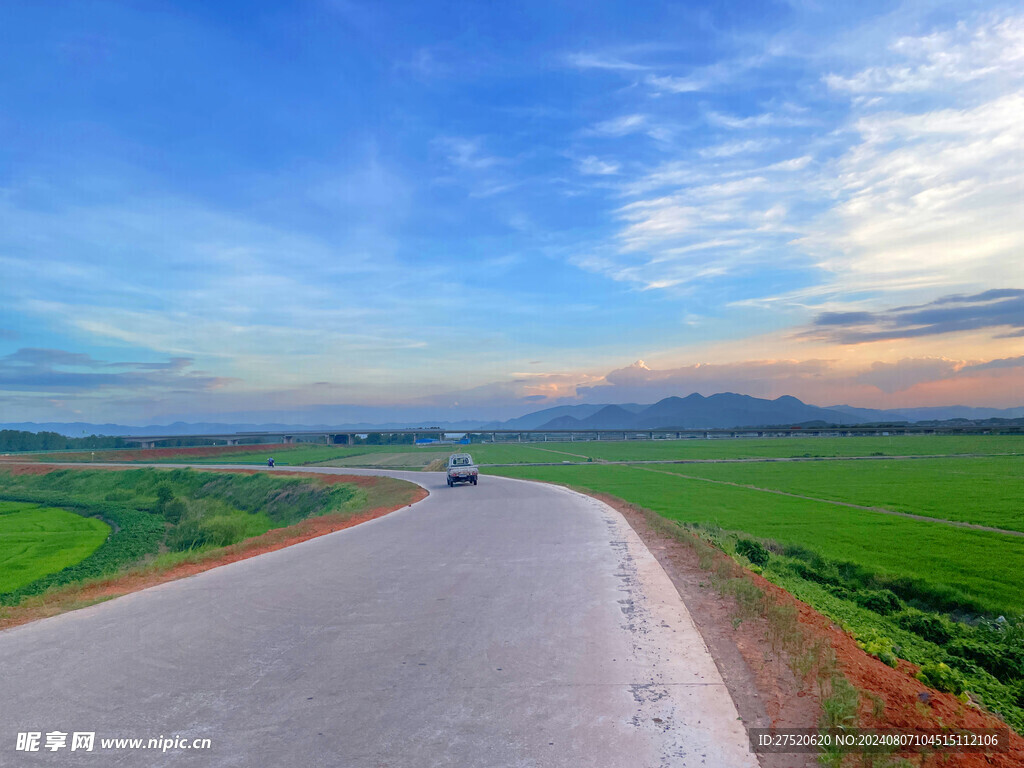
(511, 624)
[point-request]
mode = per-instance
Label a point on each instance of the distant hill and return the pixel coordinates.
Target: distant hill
(721, 411)
(935, 413)
(575, 412)
(611, 417)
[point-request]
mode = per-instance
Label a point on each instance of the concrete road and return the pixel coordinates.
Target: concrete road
(507, 624)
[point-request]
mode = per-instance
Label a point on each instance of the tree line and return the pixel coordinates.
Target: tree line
(16, 440)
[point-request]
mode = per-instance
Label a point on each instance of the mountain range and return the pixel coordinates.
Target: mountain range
(695, 411)
(724, 411)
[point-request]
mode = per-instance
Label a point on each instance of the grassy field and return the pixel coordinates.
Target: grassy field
(292, 454)
(574, 452)
(42, 540)
(987, 491)
(743, 448)
(153, 511)
(668, 450)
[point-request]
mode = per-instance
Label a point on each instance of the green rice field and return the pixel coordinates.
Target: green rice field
(985, 491)
(39, 540)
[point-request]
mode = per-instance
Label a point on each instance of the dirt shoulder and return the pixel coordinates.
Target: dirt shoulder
(766, 691)
(384, 495)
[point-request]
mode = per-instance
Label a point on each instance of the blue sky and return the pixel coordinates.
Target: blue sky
(318, 211)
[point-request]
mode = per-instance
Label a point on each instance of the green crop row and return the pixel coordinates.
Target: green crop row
(985, 491)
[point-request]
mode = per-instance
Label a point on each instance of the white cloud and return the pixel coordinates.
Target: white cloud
(965, 54)
(927, 199)
(732, 148)
(793, 164)
(583, 60)
(595, 166)
(763, 120)
(620, 126)
(466, 153)
(908, 372)
(676, 84)
(917, 193)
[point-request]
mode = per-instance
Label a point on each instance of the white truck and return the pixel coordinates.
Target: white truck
(461, 469)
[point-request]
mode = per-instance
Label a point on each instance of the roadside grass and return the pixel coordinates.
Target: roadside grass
(82, 589)
(809, 658)
(153, 511)
(986, 491)
(42, 540)
(291, 454)
(150, 455)
(298, 454)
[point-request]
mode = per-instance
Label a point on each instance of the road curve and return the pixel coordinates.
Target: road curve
(507, 624)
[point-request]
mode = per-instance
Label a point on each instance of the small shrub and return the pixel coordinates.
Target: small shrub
(1003, 662)
(926, 625)
(882, 601)
(879, 646)
(754, 551)
(187, 535)
(164, 493)
(224, 529)
(749, 597)
(942, 678)
(839, 708)
(784, 632)
(175, 510)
